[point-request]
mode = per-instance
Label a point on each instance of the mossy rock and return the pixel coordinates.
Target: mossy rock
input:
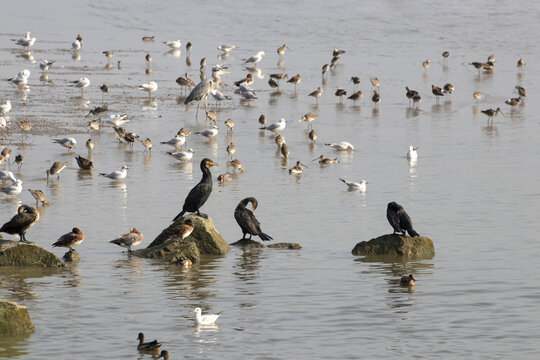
(171, 251)
(14, 319)
(397, 245)
(72, 256)
(15, 253)
(168, 246)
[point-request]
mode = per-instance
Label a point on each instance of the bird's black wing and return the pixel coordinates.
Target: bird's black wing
(405, 222)
(393, 219)
(247, 221)
(197, 197)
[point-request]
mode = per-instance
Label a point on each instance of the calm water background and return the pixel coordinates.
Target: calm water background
(473, 191)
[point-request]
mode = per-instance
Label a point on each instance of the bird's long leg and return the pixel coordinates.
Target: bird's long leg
(198, 106)
(206, 103)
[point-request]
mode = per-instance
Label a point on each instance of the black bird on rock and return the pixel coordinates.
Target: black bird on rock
(201, 192)
(399, 220)
(20, 223)
(247, 220)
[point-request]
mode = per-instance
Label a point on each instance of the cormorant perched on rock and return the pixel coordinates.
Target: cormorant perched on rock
(200, 193)
(398, 218)
(20, 223)
(247, 220)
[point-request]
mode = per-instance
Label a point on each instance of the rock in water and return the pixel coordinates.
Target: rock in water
(72, 256)
(15, 253)
(14, 319)
(204, 240)
(397, 245)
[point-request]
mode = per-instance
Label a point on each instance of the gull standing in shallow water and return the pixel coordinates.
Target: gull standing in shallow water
(182, 155)
(71, 239)
(226, 48)
(150, 87)
(255, 58)
(133, 238)
(117, 174)
(5, 108)
(412, 154)
(13, 190)
(276, 127)
(209, 133)
(200, 192)
(19, 224)
(81, 83)
(68, 143)
(175, 44)
(361, 186)
(205, 319)
(341, 146)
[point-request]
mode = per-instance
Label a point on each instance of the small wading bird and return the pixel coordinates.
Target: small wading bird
(201, 192)
(132, 238)
(399, 219)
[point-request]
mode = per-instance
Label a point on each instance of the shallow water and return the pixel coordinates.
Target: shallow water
(473, 189)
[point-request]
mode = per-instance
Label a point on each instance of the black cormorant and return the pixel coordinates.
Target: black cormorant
(20, 223)
(247, 221)
(200, 193)
(398, 218)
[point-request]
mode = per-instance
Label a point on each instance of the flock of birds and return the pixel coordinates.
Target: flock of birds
(27, 215)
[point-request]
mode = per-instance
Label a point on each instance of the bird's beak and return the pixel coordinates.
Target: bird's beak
(192, 311)
(314, 159)
(305, 165)
(211, 163)
(225, 72)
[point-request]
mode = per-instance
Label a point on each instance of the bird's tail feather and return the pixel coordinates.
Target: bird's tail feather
(413, 233)
(179, 215)
(265, 237)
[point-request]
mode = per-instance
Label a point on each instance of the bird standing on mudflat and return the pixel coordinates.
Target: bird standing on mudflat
(247, 220)
(19, 224)
(201, 192)
(399, 220)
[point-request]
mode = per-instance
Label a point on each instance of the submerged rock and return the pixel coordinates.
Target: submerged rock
(398, 245)
(15, 253)
(14, 319)
(248, 244)
(168, 246)
(252, 244)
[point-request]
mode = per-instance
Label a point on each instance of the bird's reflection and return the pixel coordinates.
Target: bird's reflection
(174, 53)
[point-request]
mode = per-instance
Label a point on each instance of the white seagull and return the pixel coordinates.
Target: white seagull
(45, 64)
(118, 119)
(412, 154)
(182, 155)
(66, 142)
(117, 174)
(5, 108)
(276, 127)
(76, 45)
(341, 146)
(81, 83)
(150, 87)
(21, 78)
(209, 133)
(205, 319)
(13, 190)
(361, 186)
(26, 42)
(255, 58)
(175, 44)
(177, 141)
(7, 175)
(226, 48)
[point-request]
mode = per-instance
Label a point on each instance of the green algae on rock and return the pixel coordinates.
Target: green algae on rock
(398, 245)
